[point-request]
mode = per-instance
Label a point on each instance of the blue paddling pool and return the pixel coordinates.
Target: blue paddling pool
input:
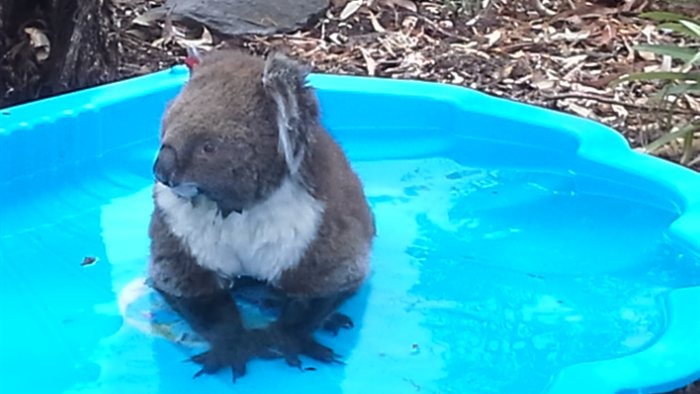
(519, 250)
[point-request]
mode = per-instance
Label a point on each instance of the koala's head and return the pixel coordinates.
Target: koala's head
(240, 125)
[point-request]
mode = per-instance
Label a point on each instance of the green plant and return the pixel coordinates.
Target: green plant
(675, 83)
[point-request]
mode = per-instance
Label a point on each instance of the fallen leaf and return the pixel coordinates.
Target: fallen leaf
(539, 7)
(544, 84)
(456, 78)
(571, 36)
(206, 41)
(336, 38)
(350, 8)
(370, 63)
(138, 33)
(446, 24)
(147, 19)
(406, 4)
(620, 111)
(581, 88)
(606, 36)
(693, 103)
(573, 61)
(594, 11)
(634, 5)
(493, 38)
(40, 42)
(375, 23)
(666, 63)
(409, 23)
(579, 110)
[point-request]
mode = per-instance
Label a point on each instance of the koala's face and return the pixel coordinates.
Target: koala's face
(219, 137)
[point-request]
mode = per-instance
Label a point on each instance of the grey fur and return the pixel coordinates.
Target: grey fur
(239, 127)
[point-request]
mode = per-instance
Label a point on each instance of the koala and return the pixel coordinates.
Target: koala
(251, 189)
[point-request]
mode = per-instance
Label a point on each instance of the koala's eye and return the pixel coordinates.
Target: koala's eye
(208, 147)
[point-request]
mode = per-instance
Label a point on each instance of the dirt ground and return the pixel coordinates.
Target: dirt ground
(560, 54)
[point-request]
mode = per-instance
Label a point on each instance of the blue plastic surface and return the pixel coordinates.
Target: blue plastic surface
(519, 250)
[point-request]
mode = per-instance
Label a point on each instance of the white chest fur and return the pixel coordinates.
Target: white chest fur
(261, 242)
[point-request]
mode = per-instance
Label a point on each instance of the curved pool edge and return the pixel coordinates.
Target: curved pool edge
(664, 364)
(89, 99)
(667, 364)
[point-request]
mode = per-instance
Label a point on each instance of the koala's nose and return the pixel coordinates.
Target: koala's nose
(165, 165)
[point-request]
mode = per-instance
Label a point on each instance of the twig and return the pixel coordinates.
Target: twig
(437, 27)
(608, 100)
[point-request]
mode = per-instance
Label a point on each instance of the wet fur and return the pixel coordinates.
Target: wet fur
(246, 132)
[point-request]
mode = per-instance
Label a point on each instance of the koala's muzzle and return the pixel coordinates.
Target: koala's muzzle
(165, 166)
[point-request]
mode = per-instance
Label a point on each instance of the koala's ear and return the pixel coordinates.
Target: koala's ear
(284, 80)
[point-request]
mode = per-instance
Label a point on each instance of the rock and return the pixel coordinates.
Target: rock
(238, 17)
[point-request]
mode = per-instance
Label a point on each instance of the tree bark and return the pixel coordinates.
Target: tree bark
(49, 47)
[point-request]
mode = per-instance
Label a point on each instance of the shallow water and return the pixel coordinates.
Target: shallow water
(512, 275)
(484, 281)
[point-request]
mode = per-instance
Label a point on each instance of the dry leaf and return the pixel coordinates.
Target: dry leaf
(409, 23)
(493, 38)
(666, 63)
(620, 111)
(406, 4)
(375, 23)
(634, 5)
(40, 42)
(571, 36)
(508, 70)
(573, 61)
(456, 78)
(350, 8)
(607, 35)
(335, 38)
(537, 5)
(579, 110)
(649, 56)
(147, 19)
(577, 87)
(370, 63)
(693, 103)
(446, 24)
(544, 84)
(206, 41)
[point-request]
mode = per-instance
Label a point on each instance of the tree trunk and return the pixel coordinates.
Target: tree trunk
(49, 47)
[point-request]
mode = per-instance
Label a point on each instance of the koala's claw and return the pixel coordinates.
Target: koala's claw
(336, 321)
(213, 361)
(290, 346)
(233, 355)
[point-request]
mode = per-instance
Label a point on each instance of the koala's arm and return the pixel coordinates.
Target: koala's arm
(337, 261)
(197, 295)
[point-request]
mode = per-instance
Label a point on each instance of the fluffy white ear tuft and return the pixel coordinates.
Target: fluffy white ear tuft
(284, 80)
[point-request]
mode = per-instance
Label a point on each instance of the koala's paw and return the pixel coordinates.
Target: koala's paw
(234, 355)
(291, 345)
(336, 321)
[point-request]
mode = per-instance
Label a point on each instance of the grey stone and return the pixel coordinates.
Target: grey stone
(237, 17)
